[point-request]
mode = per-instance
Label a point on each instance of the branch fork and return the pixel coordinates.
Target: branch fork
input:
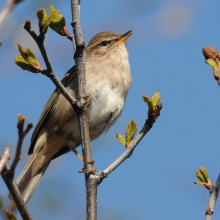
(8, 173)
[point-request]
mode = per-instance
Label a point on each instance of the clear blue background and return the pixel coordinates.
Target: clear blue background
(156, 182)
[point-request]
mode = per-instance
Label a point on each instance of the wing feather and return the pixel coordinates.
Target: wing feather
(71, 73)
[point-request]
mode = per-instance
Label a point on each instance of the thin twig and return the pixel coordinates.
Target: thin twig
(28, 128)
(8, 173)
(5, 158)
(7, 9)
(50, 72)
(15, 193)
(21, 135)
(80, 59)
(212, 200)
(72, 38)
(127, 153)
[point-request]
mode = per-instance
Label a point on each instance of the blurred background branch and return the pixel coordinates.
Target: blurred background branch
(5, 158)
(10, 4)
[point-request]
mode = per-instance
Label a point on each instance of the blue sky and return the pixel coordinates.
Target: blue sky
(165, 50)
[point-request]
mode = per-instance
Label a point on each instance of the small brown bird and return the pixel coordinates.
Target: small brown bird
(108, 80)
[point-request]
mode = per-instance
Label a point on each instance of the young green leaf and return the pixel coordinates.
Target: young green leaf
(11, 215)
(27, 60)
(51, 17)
(130, 132)
(213, 64)
(153, 102)
(58, 23)
(149, 103)
(202, 175)
(120, 139)
(45, 21)
(199, 183)
(155, 99)
(42, 17)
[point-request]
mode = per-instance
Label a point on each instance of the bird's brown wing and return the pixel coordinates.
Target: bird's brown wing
(71, 73)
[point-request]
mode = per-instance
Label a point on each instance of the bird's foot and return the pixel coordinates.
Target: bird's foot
(93, 170)
(87, 101)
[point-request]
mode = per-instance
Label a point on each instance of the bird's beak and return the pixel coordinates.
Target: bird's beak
(124, 37)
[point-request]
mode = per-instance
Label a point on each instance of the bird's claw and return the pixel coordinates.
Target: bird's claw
(91, 162)
(93, 170)
(87, 101)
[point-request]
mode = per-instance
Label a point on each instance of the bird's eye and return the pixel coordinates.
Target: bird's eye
(104, 43)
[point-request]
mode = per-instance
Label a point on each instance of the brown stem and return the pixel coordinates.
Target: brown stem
(15, 193)
(21, 135)
(8, 173)
(50, 72)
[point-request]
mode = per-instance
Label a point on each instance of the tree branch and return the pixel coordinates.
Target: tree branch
(8, 173)
(21, 134)
(7, 9)
(5, 158)
(50, 72)
(80, 59)
(127, 153)
(15, 194)
(212, 200)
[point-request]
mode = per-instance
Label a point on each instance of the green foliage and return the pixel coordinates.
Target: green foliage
(130, 131)
(5, 206)
(55, 21)
(213, 64)
(42, 17)
(120, 139)
(27, 60)
(129, 135)
(153, 102)
(58, 23)
(202, 175)
(11, 215)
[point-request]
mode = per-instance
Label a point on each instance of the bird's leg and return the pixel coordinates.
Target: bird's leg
(93, 170)
(76, 152)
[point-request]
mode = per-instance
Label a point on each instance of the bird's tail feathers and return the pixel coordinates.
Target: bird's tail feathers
(26, 182)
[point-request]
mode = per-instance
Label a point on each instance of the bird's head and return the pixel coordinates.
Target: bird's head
(106, 42)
